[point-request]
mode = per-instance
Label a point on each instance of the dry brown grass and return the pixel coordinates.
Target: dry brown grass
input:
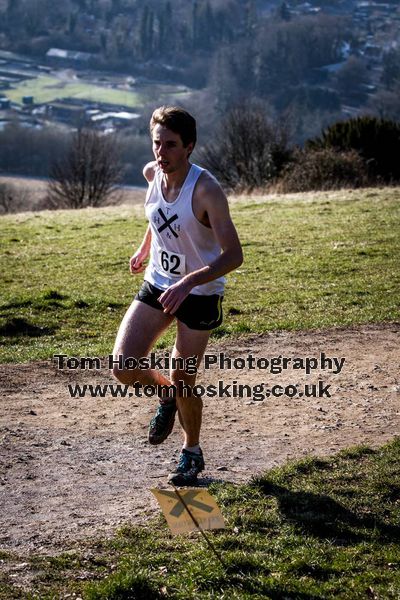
(32, 193)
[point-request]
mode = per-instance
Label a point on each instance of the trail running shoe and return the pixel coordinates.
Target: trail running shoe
(189, 466)
(162, 423)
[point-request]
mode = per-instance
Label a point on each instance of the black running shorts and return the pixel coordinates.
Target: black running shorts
(197, 312)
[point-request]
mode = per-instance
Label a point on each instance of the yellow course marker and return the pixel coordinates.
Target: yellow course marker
(189, 509)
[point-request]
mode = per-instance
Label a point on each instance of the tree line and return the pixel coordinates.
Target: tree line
(123, 32)
(227, 49)
(248, 152)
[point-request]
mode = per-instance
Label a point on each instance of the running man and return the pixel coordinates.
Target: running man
(191, 244)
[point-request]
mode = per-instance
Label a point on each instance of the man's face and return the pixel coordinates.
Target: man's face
(168, 149)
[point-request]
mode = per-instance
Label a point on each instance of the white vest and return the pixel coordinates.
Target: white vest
(180, 244)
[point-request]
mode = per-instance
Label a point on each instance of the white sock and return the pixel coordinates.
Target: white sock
(195, 449)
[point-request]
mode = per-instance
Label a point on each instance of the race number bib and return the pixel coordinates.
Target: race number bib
(173, 265)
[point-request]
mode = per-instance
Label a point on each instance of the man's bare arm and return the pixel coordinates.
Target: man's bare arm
(136, 263)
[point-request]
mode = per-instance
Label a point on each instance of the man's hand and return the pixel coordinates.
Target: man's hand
(173, 297)
(136, 263)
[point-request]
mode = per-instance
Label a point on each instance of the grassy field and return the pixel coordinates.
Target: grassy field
(315, 529)
(46, 88)
(311, 261)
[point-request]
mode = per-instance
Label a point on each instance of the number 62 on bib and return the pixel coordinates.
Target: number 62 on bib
(171, 263)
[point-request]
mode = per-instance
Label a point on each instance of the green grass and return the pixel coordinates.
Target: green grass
(311, 261)
(314, 529)
(47, 89)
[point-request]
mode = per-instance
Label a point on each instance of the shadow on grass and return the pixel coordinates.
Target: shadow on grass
(16, 304)
(17, 327)
(49, 298)
(128, 586)
(244, 577)
(323, 517)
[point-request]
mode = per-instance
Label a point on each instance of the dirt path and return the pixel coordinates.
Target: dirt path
(72, 469)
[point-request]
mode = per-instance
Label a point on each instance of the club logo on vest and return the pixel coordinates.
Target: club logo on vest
(167, 223)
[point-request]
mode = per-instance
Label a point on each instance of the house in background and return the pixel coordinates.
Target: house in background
(58, 57)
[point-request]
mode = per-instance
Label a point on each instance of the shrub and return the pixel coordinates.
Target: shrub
(377, 141)
(324, 169)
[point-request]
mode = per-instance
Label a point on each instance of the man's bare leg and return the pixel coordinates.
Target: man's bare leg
(140, 328)
(189, 342)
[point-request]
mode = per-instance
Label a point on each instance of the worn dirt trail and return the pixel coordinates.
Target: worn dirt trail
(78, 468)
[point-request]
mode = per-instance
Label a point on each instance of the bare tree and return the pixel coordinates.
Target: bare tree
(89, 174)
(248, 151)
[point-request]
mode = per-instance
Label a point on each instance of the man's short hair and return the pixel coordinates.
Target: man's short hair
(177, 120)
